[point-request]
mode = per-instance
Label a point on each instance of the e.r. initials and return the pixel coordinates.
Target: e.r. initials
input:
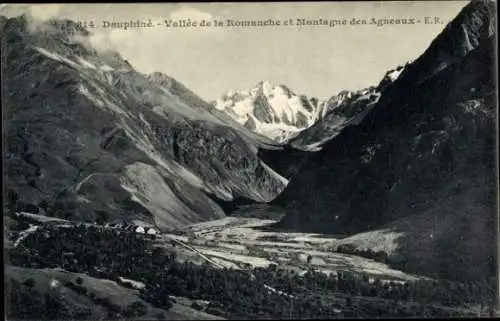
(432, 20)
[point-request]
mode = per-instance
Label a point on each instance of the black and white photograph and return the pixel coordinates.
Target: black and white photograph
(250, 160)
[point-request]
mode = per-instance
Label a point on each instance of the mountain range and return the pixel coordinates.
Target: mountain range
(90, 138)
(421, 163)
(404, 166)
(276, 112)
(272, 110)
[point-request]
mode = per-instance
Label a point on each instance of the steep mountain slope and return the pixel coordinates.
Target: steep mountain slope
(273, 111)
(344, 109)
(424, 155)
(189, 98)
(88, 136)
(347, 108)
(286, 161)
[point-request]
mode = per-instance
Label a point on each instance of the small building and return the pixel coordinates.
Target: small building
(140, 229)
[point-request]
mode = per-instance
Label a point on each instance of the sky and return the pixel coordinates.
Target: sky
(318, 61)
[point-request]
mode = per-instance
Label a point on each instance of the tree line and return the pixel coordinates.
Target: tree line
(234, 293)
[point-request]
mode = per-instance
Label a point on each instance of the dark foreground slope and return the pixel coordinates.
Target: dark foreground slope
(90, 138)
(423, 157)
(71, 271)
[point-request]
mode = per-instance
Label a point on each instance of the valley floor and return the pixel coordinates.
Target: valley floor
(242, 242)
(235, 267)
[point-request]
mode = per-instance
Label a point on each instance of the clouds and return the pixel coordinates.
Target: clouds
(186, 12)
(36, 14)
(160, 48)
(45, 12)
(211, 60)
(40, 12)
(101, 42)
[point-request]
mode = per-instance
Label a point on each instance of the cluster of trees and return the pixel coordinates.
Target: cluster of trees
(233, 293)
(437, 292)
(112, 254)
(379, 256)
(83, 248)
(25, 302)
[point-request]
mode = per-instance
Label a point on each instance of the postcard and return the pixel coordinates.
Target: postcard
(279, 160)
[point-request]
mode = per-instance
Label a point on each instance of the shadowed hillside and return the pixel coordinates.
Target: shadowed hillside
(90, 138)
(424, 153)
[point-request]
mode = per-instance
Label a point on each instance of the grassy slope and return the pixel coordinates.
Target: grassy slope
(117, 294)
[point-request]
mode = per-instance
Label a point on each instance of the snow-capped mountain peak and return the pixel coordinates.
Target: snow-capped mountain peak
(272, 110)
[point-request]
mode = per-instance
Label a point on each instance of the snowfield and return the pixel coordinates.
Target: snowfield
(273, 111)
